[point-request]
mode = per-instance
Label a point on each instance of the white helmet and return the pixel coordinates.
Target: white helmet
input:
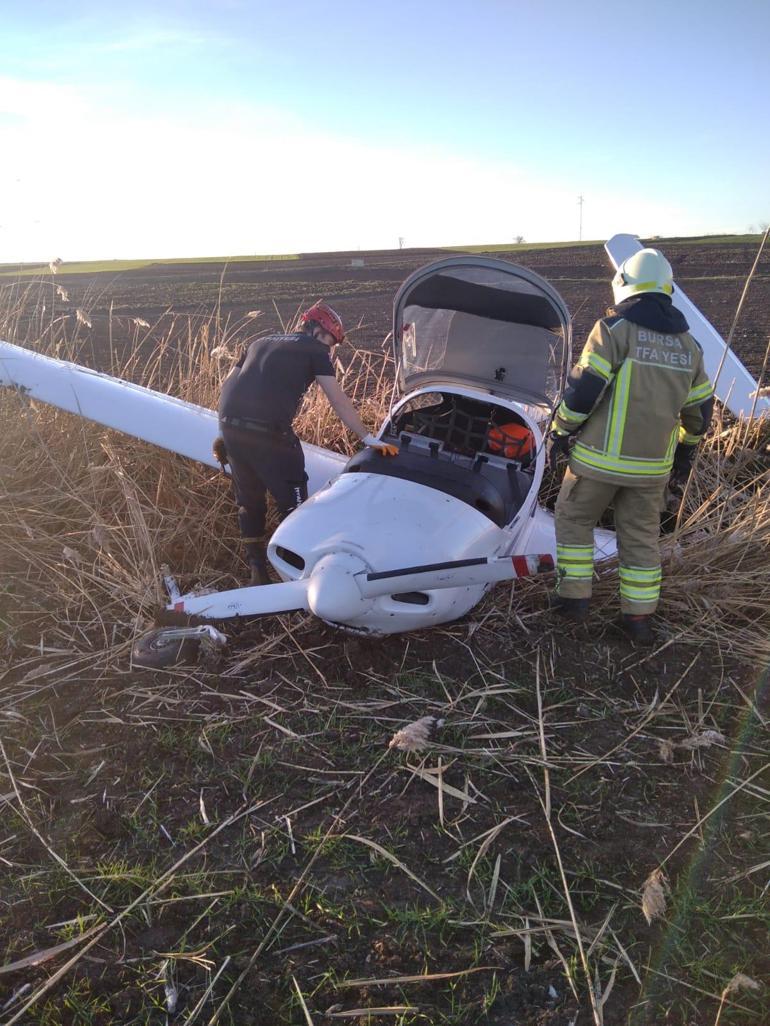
(645, 271)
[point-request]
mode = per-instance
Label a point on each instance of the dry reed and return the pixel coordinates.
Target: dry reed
(88, 516)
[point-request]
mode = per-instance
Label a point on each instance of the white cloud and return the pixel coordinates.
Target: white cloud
(155, 38)
(88, 182)
(35, 101)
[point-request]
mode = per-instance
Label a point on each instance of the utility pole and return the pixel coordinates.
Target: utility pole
(580, 231)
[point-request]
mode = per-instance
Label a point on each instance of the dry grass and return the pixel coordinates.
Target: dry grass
(716, 589)
(275, 843)
(101, 512)
(91, 516)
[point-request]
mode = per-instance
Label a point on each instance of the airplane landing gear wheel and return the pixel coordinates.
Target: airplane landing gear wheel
(168, 646)
(155, 651)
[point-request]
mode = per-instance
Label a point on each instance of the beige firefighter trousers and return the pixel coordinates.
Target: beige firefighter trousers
(581, 502)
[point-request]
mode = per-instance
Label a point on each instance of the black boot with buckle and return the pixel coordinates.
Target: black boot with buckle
(638, 628)
(574, 609)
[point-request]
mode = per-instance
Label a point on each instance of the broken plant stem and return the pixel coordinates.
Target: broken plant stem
(545, 803)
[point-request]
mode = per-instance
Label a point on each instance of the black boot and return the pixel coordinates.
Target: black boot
(638, 628)
(258, 574)
(258, 568)
(575, 609)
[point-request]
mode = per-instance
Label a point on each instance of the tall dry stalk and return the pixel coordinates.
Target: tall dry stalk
(88, 516)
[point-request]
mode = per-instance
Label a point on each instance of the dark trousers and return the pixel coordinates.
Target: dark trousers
(262, 462)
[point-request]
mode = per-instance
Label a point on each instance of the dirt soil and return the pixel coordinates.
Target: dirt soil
(712, 275)
(237, 842)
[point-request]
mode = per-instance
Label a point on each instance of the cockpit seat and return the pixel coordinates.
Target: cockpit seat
(433, 472)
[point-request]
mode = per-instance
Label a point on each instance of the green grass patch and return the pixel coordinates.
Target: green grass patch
(26, 270)
(114, 266)
(524, 247)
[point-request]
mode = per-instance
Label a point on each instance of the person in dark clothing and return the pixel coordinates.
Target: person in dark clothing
(258, 403)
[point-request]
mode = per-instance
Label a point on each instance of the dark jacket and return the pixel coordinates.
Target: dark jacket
(272, 375)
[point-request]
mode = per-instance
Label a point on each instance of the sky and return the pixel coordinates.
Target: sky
(235, 127)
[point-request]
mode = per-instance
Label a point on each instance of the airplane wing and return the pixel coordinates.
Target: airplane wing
(163, 420)
(733, 384)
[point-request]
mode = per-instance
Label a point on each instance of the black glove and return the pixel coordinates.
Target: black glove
(680, 471)
(556, 444)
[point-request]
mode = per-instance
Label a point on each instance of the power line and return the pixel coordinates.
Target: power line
(580, 231)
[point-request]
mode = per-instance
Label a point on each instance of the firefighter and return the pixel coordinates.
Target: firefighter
(636, 406)
(258, 403)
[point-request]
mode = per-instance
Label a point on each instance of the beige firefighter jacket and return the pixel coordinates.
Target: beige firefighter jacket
(654, 385)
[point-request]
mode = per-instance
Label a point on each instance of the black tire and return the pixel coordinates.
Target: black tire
(155, 651)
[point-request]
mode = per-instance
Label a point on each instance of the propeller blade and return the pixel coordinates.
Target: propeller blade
(458, 574)
(339, 602)
(256, 601)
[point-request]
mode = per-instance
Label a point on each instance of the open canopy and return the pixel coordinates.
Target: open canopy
(479, 321)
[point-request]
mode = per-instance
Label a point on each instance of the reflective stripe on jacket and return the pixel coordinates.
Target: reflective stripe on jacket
(634, 395)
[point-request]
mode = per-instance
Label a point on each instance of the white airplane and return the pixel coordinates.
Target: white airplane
(386, 545)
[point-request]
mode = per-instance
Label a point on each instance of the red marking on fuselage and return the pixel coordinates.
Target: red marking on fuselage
(520, 566)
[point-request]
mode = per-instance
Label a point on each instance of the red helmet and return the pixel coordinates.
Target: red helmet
(330, 321)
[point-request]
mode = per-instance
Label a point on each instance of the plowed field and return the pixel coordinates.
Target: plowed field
(582, 840)
(711, 273)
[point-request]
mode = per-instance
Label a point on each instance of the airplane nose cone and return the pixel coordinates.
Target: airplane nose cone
(333, 593)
